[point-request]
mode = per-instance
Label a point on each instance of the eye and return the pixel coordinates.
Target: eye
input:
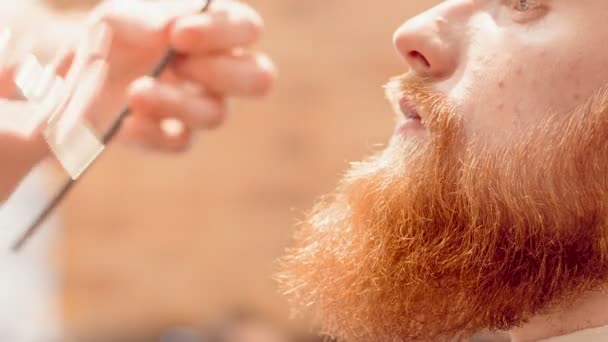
(525, 5)
(524, 11)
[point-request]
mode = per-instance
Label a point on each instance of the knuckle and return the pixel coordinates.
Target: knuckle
(180, 144)
(181, 147)
(252, 30)
(218, 115)
(185, 35)
(263, 81)
(249, 21)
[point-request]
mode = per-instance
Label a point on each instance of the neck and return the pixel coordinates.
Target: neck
(590, 311)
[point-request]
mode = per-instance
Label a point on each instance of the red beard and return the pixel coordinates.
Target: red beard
(442, 236)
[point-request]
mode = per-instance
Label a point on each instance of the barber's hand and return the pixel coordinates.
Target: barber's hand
(18, 153)
(216, 61)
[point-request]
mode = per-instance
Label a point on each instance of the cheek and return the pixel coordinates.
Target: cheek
(501, 93)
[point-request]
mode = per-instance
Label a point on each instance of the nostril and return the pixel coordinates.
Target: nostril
(417, 56)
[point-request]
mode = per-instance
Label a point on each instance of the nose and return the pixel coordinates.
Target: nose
(429, 43)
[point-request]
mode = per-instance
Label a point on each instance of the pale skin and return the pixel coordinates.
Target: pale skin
(217, 62)
(506, 63)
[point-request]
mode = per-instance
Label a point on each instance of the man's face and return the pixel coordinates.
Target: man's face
(506, 63)
(490, 204)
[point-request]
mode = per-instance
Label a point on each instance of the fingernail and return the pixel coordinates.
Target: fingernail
(173, 127)
(195, 136)
(143, 86)
(267, 64)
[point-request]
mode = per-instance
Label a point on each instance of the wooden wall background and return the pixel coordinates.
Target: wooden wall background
(151, 241)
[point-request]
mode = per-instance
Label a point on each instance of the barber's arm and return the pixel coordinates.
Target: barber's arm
(216, 61)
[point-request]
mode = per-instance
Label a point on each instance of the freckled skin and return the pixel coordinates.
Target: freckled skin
(522, 69)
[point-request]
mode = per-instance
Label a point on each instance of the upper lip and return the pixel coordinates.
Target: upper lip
(408, 109)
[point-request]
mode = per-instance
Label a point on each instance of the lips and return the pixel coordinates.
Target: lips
(408, 111)
(411, 122)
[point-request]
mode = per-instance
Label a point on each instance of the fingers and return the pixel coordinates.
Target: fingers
(138, 23)
(228, 24)
(165, 115)
(165, 136)
(143, 23)
(213, 53)
(225, 25)
(213, 46)
(157, 100)
(237, 74)
(213, 50)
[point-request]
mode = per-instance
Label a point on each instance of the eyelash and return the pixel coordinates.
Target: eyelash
(530, 5)
(526, 10)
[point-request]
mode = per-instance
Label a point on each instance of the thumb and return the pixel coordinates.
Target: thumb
(7, 85)
(142, 23)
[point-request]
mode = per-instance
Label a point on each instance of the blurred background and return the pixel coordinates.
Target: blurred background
(151, 247)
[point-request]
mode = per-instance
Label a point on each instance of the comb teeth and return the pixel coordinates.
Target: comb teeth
(57, 106)
(72, 141)
(12, 51)
(28, 76)
(40, 86)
